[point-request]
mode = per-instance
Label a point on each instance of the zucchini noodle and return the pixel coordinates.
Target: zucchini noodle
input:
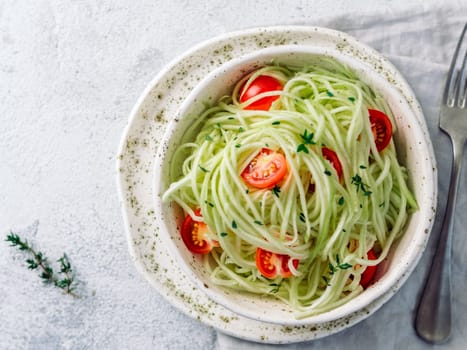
(325, 220)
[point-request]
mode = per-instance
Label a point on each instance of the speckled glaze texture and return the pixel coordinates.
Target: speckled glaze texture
(148, 121)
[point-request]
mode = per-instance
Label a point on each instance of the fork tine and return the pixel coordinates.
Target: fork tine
(455, 74)
(462, 94)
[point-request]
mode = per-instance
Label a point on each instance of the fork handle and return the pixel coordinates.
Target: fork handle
(433, 318)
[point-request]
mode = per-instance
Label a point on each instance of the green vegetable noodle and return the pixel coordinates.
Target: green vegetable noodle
(295, 190)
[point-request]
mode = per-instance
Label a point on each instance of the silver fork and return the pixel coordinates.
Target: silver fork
(433, 318)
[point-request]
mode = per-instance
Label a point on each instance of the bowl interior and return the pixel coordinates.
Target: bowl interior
(413, 152)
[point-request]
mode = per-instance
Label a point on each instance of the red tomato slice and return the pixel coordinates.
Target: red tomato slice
(332, 157)
(263, 83)
(381, 127)
(266, 170)
(369, 273)
(194, 235)
(285, 272)
(270, 264)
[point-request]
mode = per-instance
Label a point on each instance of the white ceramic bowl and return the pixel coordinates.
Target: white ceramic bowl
(414, 151)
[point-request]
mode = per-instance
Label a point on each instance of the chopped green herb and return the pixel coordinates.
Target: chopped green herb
(344, 266)
(276, 122)
(339, 266)
(209, 203)
(208, 138)
(302, 217)
(223, 234)
(352, 99)
(258, 222)
(238, 145)
(241, 129)
(275, 288)
(276, 190)
(327, 172)
(203, 169)
(329, 93)
(341, 201)
(326, 281)
(362, 167)
(247, 191)
(301, 147)
(357, 181)
(234, 224)
(307, 138)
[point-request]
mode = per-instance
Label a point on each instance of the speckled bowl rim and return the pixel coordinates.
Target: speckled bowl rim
(134, 166)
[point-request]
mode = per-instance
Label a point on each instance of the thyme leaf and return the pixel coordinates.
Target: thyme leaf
(302, 217)
(275, 288)
(325, 279)
(357, 181)
(302, 148)
(344, 266)
(276, 190)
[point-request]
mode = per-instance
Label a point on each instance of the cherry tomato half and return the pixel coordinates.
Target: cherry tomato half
(332, 157)
(263, 83)
(381, 127)
(194, 235)
(369, 273)
(270, 264)
(266, 169)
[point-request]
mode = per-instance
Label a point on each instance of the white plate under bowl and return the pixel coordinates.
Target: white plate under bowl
(161, 102)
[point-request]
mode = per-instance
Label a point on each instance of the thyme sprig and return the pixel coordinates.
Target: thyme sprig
(307, 139)
(334, 268)
(64, 279)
